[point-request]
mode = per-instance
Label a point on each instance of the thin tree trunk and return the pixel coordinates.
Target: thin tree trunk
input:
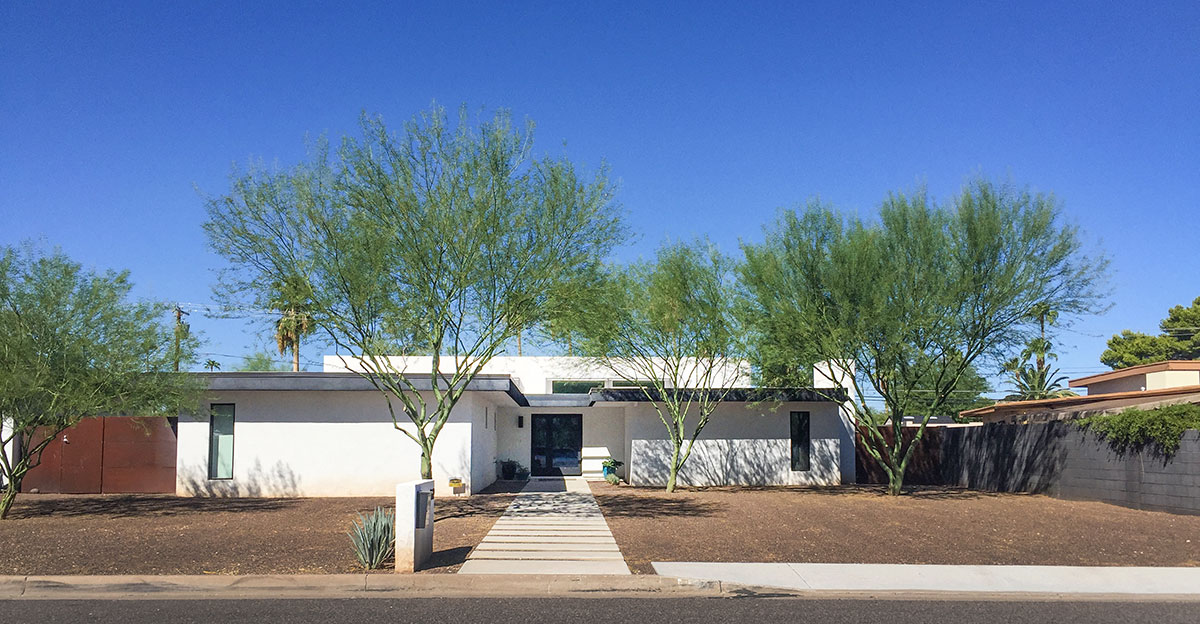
(674, 471)
(6, 501)
(296, 355)
(426, 463)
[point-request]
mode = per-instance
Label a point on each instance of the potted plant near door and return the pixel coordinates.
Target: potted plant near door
(508, 469)
(609, 467)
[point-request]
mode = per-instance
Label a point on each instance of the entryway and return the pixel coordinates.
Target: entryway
(554, 526)
(556, 442)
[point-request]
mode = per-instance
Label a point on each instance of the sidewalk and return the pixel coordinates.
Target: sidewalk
(924, 579)
(379, 585)
(696, 580)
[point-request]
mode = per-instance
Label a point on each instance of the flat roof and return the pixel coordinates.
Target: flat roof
(1131, 398)
(271, 381)
(1141, 369)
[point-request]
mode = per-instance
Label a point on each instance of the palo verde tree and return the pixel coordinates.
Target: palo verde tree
(73, 346)
(443, 240)
(669, 329)
(910, 302)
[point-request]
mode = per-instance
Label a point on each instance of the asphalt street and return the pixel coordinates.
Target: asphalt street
(638, 610)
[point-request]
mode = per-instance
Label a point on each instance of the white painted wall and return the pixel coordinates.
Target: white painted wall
(313, 443)
(532, 374)
(743, 444)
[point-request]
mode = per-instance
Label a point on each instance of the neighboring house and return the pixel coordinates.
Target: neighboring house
(329, 433)
(1146, 386)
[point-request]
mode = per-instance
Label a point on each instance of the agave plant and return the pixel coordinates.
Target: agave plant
(374, 538)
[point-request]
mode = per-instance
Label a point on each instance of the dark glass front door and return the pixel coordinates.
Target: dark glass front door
(557, 441)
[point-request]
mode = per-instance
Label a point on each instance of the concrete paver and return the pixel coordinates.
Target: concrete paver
(554, 526)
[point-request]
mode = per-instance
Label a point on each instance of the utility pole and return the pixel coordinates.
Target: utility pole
(181, 330)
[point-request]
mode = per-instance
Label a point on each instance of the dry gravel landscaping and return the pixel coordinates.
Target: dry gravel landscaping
(162, 534)
(152, 534)
(864, 525)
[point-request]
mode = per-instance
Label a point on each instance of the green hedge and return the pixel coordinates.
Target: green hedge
(1133, 429)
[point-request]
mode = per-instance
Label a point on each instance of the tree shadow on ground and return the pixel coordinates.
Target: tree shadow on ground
(916, 492)
(642, 505)
(131, 505)
(474, 505)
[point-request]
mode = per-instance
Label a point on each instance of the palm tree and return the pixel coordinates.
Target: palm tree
(292, 300)
(289, 329)
(212, 365)
(1037, 380)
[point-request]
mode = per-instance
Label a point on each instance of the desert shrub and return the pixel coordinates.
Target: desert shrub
(374, 538)
(612, 478)
(1161, 428)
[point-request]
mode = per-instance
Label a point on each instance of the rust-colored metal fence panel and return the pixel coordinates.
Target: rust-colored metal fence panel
(115, 455)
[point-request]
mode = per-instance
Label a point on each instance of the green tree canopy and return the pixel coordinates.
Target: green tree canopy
(664, 326)
(911, 301)
(73, 346)
(262, 361)
(445, 240)
(1179, 339)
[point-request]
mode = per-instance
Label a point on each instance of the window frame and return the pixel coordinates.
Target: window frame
(212, 465)
(800, 423)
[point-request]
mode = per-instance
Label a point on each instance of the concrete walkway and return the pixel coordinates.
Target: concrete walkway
(839, 577)
(554, 526)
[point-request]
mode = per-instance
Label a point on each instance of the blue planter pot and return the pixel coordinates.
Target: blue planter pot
(607, 470)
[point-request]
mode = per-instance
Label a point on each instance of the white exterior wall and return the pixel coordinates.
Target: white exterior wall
(532, 374)
(483, 439)
(1172, 379)
(314, 443)
(743, 444)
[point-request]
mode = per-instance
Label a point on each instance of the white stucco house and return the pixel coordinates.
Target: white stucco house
(329, 433)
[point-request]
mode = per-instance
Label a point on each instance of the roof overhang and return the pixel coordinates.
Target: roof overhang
(1074, 407)
(353, 382)
(1143, 369)
(345, 382)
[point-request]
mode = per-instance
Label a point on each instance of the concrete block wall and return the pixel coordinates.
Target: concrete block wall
(1061, 460)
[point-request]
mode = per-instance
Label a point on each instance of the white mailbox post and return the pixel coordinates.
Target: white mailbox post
(414, 524)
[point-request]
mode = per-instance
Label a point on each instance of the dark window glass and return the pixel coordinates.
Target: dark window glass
(574, 386)
(800, 441)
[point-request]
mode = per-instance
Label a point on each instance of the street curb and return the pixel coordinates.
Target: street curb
(134, 587)
(397, 586)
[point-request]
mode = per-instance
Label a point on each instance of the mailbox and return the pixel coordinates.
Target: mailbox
(414, 524)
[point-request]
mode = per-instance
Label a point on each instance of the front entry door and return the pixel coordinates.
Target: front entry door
(557, 441)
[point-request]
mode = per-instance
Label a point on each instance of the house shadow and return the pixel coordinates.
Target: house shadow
(114, 506)
(447, 558)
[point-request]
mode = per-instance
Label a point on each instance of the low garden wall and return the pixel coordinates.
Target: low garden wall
(1058, 459)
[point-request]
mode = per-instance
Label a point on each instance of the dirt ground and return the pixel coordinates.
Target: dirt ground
(864, 525)
(161, 534)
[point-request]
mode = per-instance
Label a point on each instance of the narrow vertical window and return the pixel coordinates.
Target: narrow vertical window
(800, 441)
(220, 442)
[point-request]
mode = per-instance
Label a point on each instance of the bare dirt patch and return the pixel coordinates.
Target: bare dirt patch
(864, 525)
(159, 534)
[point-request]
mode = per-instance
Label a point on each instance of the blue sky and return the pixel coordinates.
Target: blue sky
(711, 116)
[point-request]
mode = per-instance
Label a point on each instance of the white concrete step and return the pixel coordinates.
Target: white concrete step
(517, 566)
(542, 555)
(529, 546)
(535, 539)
